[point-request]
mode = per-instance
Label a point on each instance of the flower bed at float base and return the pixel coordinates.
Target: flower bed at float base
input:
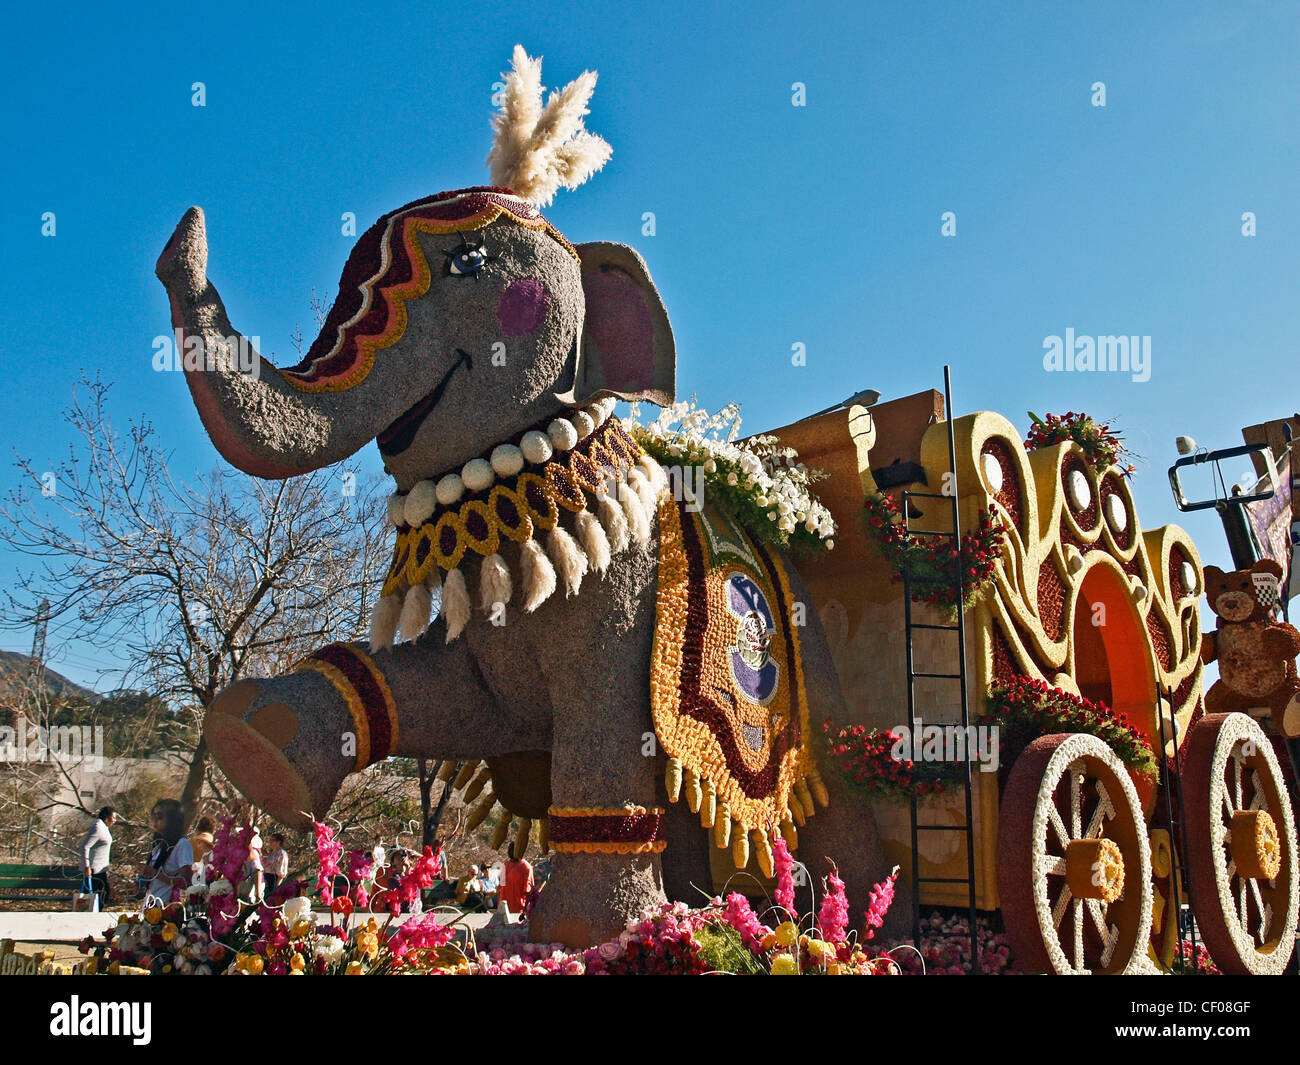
(211, 931)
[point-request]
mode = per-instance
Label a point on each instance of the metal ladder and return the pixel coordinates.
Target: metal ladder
(910, 627)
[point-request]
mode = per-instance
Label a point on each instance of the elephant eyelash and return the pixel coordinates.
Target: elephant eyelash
(468, 247)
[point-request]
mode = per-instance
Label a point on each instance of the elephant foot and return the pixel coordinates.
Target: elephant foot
(590, 898)
(253, 733)
(1289, 718)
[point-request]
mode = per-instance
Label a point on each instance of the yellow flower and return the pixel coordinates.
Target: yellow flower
(301, 927)
(821, 951)
(834, 968)
(115, 968)
(169, 931)
(153, 914)
(768, 941)
(297, 962)
(249, 963)
(368, 943)
(353, 969)
(784, 965)
(786, 933)
(92, 966)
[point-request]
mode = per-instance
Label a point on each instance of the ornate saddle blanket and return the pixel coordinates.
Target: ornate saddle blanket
(727, 681)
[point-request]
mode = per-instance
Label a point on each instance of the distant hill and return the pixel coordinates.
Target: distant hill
(13, 680)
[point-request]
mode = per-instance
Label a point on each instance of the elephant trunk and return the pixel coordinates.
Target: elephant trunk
(258, 421)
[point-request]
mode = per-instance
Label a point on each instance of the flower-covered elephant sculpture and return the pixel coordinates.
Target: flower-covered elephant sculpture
(601, 649)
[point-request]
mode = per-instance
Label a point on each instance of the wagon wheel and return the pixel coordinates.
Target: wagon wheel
(1074, 865)
(1241, 845)
(1164, 916)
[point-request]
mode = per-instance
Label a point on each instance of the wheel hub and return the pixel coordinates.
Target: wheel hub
(1094, 869)
(1256, 847)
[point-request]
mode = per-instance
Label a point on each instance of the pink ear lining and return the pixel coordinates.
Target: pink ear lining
(620, 326)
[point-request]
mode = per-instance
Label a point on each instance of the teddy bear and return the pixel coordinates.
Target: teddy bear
(1256, 654)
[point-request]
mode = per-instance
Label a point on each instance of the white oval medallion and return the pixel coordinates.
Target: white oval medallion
(1188, 573)
(992, 472)
(1117, 512)
(1080, 490)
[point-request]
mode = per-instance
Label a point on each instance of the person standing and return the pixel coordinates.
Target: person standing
(275, 863)
(517, 882)
(95, 848)
(171, 858)
(378, 854)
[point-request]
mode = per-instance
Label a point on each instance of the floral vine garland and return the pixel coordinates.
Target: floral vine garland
(931, 562)
(1101, 447)
(1026, 708)
(759, 483)
(864, 759)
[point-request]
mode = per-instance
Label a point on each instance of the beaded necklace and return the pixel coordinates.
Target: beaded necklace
(584, 464)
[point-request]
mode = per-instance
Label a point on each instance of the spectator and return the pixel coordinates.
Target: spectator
(95, 848)
(253, 881)
(491, 886)
(388, 880)
(201, 843)
(275, 863)
(378, 853)
(171, 857)
(517, 882)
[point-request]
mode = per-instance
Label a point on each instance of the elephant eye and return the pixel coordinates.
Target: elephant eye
(467, 259)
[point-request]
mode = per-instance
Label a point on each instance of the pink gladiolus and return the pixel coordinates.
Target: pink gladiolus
(327, 855)
(419, 933)
(784, 875)
(834, 914)
(882, 896)
(742, 918)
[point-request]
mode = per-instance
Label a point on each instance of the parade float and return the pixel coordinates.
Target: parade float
(647, 653)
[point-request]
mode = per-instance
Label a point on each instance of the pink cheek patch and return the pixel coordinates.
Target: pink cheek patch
(523, 305)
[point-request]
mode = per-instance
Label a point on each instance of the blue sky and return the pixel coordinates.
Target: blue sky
(775, 224)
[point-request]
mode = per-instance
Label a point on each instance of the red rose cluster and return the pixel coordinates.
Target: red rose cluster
(931, 562)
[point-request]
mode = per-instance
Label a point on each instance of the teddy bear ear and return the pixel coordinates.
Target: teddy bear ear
(1268, 565)
(1212, 574)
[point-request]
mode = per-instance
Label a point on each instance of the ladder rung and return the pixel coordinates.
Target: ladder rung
(943, 828)
(928, 495)
(942, 880)
(940, 676)
(928, 532)
(941, 628)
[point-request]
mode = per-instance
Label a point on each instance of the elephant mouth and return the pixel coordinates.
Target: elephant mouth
(398, 436)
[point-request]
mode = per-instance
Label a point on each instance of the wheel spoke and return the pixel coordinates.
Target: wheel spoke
(1104, 812)
(1078, 933)
(1058, 826)
(1241, 904)
(1262, 908)
(1049, 865)
(1236, 778)
(1058, 911)
(1076, 803)
(1108, 932)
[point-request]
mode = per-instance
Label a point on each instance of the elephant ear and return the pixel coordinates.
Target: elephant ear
(626, 348)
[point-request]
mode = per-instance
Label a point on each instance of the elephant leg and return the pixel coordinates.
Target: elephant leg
(606, 869)
(287, 743)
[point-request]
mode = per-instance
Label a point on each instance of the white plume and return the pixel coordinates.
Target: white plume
(537, 150)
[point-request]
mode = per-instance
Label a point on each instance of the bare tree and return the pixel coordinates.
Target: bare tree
(195, 584)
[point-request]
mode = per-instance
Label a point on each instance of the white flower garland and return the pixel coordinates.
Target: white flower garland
(770, 477)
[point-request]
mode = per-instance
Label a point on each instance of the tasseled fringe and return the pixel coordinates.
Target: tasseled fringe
(594, 541)
(494, 583)
(655, 472)
(384, 622)
(614, 522)
(538, 575)
(455, 603)
(415, 612)
(570, 562)
(645, 491)
(637, 523)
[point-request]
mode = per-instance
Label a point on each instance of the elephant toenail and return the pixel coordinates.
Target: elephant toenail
(276, 722)
(236, 699)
